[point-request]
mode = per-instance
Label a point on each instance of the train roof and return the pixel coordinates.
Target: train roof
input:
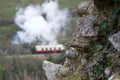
(46, 46)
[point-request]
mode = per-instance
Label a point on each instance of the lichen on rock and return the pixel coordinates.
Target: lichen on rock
(115, 76)
(51, 70)
(115, 40)
(86, 8)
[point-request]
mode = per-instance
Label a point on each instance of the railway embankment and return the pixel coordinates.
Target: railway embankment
(36, 56)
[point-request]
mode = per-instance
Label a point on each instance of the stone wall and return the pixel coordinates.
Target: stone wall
(94, 52)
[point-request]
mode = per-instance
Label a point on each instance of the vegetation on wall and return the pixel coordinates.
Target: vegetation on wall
(1, 72)
(21, 69)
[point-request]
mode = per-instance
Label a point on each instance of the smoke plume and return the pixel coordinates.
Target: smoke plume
(40, 22)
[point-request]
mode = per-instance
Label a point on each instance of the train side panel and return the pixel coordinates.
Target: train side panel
(49, 49)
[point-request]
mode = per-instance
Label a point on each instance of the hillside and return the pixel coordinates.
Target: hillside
(17, 61)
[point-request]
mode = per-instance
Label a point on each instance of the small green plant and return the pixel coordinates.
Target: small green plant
(1, 72)
(51, 59)
(115, 13)
(104, 26)
(99, 47)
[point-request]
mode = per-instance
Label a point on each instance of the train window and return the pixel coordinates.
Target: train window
(46, 49)
(54, 48)
(42, 49)
(59, 48)
(50, 48)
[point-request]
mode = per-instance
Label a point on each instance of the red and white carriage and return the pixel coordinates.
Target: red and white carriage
(49, 48)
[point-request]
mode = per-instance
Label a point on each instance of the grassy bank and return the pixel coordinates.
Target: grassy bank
(8, 7)
(22, 69)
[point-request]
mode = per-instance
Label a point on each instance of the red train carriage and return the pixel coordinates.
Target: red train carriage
(49, 49)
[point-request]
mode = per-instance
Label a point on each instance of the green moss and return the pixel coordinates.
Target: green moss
(1, 72)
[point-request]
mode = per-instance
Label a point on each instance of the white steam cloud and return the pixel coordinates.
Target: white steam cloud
(41, 22)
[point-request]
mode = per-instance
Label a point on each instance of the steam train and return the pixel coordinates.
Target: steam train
(39, 49)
